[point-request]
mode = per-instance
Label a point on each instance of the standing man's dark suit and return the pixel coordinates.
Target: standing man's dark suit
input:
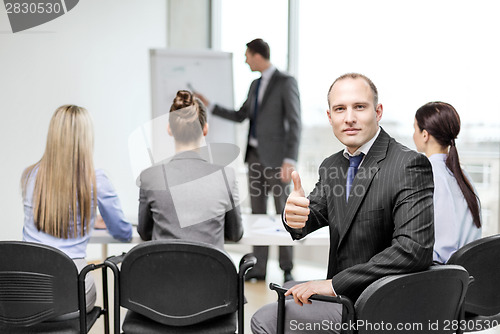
(273, 142)
(384, 227)
(278, 124)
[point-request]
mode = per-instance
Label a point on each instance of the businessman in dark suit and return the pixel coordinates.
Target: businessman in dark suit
(375, 196)
(273, 108)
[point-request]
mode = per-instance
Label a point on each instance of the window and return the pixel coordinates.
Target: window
(415, 52)
(243, 21)
(480, 174)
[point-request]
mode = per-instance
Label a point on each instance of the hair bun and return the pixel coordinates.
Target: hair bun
(183, 99)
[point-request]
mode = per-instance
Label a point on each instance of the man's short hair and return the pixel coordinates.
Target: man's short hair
(356, 76)
(259, 46)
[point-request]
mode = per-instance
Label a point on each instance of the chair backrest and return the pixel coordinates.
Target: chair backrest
(422, 302)
(37, 283)
(178, 283)
(481, 258)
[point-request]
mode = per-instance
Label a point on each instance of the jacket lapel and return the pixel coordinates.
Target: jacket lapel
(363, 180)
(269, 88)
(338, 187)
(253, 90)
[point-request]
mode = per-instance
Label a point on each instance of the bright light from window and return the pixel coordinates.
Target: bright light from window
(243, 21)
(414, 51)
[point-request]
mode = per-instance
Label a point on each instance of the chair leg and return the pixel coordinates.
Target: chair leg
(280, 325)
(105, 299)
(281, 314)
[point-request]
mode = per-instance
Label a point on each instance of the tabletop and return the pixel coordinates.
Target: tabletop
(259, 230)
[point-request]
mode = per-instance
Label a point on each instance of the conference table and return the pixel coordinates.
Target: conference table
(259, 230)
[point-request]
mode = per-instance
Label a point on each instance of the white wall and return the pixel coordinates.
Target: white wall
(95, 56)
(188, 24)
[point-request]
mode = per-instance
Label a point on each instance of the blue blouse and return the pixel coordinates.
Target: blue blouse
(109, 208)
(453, 222)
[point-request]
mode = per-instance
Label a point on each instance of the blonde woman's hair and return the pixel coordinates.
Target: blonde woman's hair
(65, 180)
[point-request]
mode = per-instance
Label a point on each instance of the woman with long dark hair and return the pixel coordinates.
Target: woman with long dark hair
(457, 211)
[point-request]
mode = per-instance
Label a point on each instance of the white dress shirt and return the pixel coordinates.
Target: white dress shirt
(76, 247)
(362, 149)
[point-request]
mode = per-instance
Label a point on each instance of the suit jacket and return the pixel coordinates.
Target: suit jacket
(387, 225)
(190, 199)
(278, 125)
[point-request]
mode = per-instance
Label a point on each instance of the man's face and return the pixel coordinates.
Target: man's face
(251, 60)
(353, 116)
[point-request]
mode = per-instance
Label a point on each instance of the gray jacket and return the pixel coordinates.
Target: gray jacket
(188, 198)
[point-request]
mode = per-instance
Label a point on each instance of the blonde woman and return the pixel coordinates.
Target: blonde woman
(62, 190)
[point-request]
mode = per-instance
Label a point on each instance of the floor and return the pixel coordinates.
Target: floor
(258, 293)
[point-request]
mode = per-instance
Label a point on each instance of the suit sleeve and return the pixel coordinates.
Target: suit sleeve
(291, 102)
(413, 237)
(233, 227)
(236, 115)
(145, 219)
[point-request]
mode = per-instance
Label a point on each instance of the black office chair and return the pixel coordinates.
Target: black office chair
(481, 258)
(39, 283)
(425, 302)
(173, 286)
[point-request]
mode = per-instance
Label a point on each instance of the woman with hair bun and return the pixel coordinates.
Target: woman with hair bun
(186, 197)
(62, 191)
(457, 211)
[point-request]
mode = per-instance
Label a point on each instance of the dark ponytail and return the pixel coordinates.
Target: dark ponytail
(442, 122)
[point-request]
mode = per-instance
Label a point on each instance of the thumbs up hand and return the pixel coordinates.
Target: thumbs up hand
(297, 205)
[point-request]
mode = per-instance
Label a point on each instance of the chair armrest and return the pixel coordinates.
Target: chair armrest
(82, 298)
(471, 281)
(330, 299)
(247, 262)
(112, 263)
(347, 306)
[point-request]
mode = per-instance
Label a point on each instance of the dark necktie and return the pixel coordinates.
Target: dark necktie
(351, 172)
(253, 132)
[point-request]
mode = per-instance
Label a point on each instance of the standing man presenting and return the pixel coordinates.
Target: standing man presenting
(375, 196)
(273, 108)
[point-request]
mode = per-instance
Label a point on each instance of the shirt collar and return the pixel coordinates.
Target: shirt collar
(191, 154)
(268, 73)
(363, 148)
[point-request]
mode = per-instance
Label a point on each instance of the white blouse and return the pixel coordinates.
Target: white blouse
(453, 224)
